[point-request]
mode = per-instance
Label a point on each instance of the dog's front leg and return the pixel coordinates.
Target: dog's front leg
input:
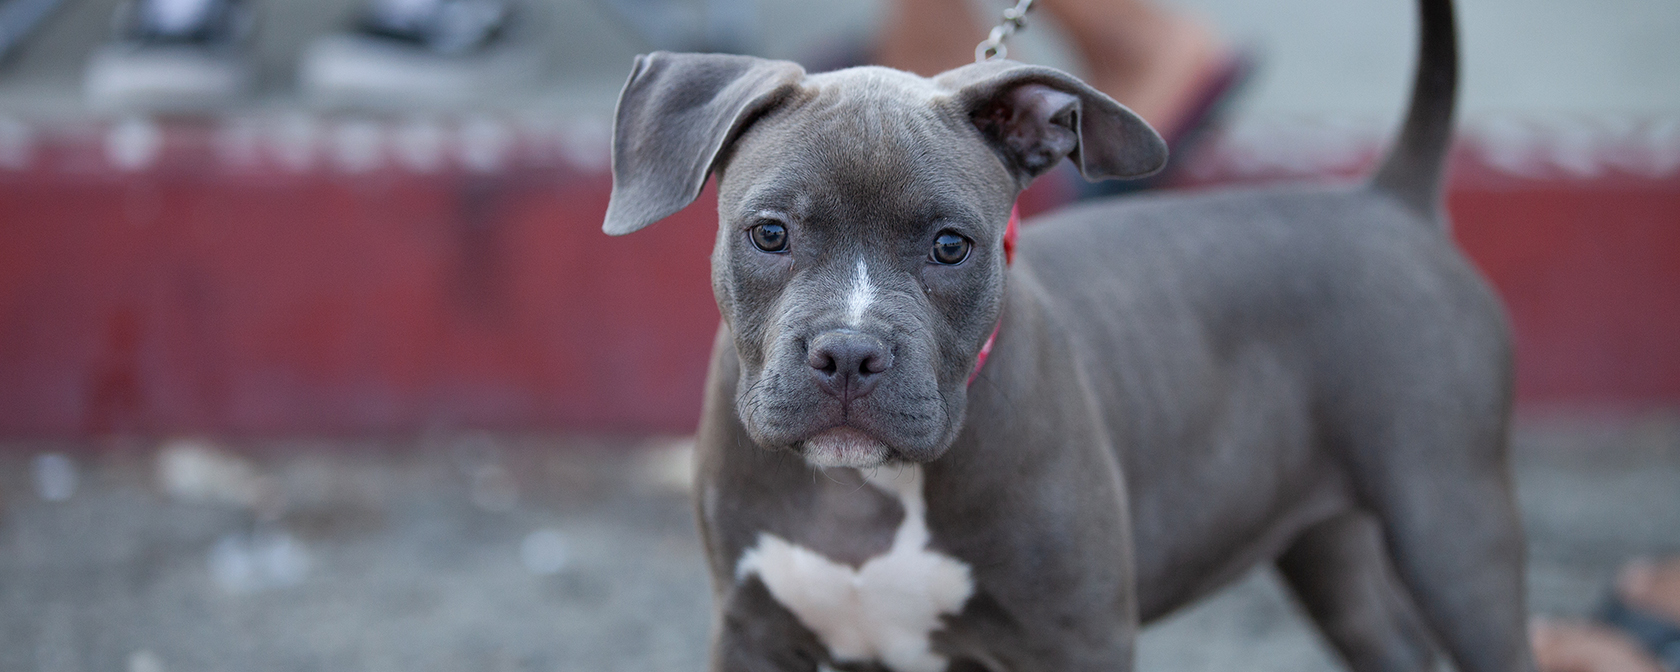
(1053, 574)
(1032, 496)
(752, 633)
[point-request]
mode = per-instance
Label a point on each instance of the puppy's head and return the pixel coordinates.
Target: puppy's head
(859, 260)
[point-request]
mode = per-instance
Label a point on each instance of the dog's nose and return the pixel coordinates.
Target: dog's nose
(848, 364)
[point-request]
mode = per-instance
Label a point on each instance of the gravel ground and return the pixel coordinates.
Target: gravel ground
(458, 551)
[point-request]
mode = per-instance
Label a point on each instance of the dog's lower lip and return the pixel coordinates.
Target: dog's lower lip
(844, 446)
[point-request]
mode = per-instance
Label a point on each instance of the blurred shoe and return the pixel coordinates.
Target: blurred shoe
(1568, 646)
(1645, 605)
(448, 27)
(19, 19)
(1210, 103)
(401, 52)
(1653, 632)
(172, 55)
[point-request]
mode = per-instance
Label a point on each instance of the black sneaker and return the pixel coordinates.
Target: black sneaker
(172, 54)
(449, 27)
(401, 52)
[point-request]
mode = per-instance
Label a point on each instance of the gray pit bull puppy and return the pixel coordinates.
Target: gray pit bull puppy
(1182, 387)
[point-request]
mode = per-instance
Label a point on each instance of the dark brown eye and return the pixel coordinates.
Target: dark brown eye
(950, 249)
(770, 237)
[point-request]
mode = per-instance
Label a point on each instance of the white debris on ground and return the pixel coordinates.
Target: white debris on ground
(242, 563)
(491, 486)
(144, 661)
(55, 476)
(543, 552)
(668, 463)
(197, 471)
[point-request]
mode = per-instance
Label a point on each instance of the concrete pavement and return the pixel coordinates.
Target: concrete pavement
(458, 550)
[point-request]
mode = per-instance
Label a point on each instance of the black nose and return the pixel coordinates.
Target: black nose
(848, 364)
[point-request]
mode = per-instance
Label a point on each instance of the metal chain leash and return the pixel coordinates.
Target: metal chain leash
(1014, 18)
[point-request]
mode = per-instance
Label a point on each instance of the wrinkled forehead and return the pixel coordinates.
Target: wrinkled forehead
(865, 135)
(878, 87)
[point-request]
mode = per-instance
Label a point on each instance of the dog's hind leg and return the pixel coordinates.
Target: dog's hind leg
(1340, 572)
(1443, 492)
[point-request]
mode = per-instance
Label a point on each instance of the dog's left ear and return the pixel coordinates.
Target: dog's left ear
(1033, 116)
(676, 115)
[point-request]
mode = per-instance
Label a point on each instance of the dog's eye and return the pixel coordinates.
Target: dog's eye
(770, 237)
(950, 249)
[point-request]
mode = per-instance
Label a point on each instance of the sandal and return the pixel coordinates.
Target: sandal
(1212, 101)
(1654, 632)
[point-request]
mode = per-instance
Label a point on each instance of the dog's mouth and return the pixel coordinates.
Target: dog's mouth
(903, 416)
(844, 447)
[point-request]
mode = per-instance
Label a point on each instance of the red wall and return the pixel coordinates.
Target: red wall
(1591, 276)
(191, 292)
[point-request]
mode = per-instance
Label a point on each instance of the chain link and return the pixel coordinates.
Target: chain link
(1014, 18)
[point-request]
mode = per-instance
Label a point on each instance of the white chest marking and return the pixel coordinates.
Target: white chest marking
(884, 610)
(862, 294)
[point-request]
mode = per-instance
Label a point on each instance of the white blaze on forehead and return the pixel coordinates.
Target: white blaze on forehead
(860, 296)
(884, 610)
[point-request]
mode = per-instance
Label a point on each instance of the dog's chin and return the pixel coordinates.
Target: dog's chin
(844, 447)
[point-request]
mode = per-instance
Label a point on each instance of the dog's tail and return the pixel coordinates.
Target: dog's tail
(1414, 168)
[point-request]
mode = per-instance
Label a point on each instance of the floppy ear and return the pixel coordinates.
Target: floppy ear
(1033, 116)
(676, 114)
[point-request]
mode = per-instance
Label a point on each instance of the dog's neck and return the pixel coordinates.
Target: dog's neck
(1009, 236)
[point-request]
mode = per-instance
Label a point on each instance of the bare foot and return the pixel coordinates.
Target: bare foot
(1652, 586)
(1581, 647)
(928, 37)
(1153, 60)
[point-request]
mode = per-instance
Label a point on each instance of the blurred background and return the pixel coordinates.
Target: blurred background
(313, 356)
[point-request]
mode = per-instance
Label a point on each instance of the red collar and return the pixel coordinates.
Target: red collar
(1009, 235)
